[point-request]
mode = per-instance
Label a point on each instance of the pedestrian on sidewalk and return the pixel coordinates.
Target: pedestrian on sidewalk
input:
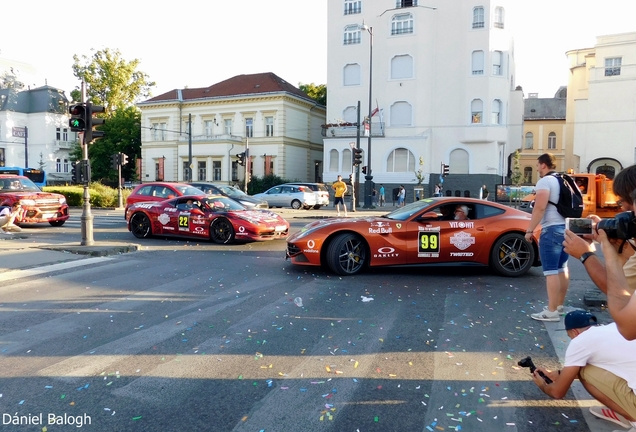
(381, 195)
(339, 188)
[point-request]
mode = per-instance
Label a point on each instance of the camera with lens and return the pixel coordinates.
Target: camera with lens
(622, 226)
(528, 363)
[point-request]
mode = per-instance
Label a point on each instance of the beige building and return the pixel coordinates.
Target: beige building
(280, 123)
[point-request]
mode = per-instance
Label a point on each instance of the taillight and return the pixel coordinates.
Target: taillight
(302, 189)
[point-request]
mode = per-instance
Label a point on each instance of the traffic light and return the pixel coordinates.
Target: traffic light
(350, 178)
(123, 159)
(364, 170)
(445, 170)
(77, 122)
(114, 161)
(74, 173)
(91, 122)
(85, 172)
(357, 156)
(241, 158)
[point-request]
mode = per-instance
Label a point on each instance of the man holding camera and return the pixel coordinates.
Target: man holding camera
(603, 361)
(8, 217)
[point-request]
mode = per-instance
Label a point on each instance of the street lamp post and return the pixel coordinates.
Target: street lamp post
(369, 177)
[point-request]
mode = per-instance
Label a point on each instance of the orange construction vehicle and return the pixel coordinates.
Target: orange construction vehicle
(598, 196)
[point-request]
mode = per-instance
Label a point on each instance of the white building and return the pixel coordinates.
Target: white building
(280, 123)
(601, 108)
(442, 78)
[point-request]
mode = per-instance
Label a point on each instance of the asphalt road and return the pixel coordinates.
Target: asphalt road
(199, 337)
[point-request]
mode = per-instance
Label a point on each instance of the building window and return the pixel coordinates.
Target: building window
(235, 166)
(58, 134)
(529, 140)
(58, 164)
(202, 170)
(227, 125)
(352, 34)
(478, 62)
(216, 170)
(334, 157)
(400, 160)
(552, 141)
(401, 114)
(65, 165)
(269, 126)
(476, 111)
(402, 67)
(187, 175)
(401, 24)
(613, 66)
(208, 127)
(499, 17)
(351, 74)
(249, 127)
(159, 131)
(527, 175)
(478, 17)
(496, 112)
(496, 63)
(352, 7)
(350, 114)
(405, 3)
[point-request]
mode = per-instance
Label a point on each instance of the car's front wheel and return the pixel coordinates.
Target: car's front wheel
(316, 207)
(57, 223)
(140, 225)
(221, 231)
(296, 204)
(512, 255)
(347, 254)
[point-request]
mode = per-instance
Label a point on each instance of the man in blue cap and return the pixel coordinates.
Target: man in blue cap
(604, 362)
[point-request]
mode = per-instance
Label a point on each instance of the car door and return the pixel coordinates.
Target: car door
(274, 197)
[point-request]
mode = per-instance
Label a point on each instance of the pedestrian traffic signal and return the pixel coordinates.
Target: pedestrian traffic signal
(357, 156)
(91, 122)
(123, 159)
(77, 122)
(241, 158)
(364, 170)
(114, 161)
(445, 170)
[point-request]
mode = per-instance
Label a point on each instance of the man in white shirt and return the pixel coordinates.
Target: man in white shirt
(604, 362)
(7, 219)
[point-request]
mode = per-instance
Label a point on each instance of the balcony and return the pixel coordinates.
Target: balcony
(221, 137)
(62, 144)
(349, 130)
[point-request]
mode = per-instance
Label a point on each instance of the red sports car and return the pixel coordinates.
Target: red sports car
(216, 217)
(37, 206)
(435, 231)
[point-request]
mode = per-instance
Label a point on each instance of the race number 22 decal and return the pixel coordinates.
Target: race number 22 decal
(428, 244)
(184, 222)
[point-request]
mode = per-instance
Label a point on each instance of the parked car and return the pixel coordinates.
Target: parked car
(37, 206)
(321, 191)
(232, 192)
(214, 217)
(160, 191)
(421, 233)
(286, 195)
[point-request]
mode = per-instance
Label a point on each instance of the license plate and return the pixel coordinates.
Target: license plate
(47, 216)
(281, 228)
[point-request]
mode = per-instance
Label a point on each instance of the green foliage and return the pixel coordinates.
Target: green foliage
(316, 92)
(110, 80)
(517, 176)
(100, 195)
(261, 184)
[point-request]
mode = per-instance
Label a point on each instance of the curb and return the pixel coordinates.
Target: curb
(97, 250)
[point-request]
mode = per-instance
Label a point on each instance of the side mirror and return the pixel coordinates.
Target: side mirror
(170, 196)
(429, 216)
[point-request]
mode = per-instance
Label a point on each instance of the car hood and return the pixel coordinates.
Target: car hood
(36, 196)
(344, 223)
(248, 199)
(260, 216)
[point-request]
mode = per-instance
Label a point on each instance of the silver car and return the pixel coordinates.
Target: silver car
(321, 191)
(293, 196)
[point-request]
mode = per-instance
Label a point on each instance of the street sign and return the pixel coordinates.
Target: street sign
(19, 132)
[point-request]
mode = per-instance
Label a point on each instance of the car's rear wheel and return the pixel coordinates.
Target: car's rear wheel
(316, 207)
(57, 223)
(347, 254)
(296, 204)
(140, 225)
(221, 231)
(512, 255)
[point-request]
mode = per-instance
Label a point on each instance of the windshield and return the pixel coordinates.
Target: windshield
(221, 204)
(18, 184)
(406, 212)
(232, 192)
(189, 190)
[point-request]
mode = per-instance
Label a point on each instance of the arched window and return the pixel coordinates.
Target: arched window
(346, 158)
(499, 17)
(527, 175)
(478, 17)
(334, 157)
(529, 140)
(351, 74)
(552, 141)
(478, 62)
(402, 67)
(401, 24)
(400, 160)
(401, 114)
(352, 34)
(496, 112)
(350, 114)
(476, 111)
(458, 162)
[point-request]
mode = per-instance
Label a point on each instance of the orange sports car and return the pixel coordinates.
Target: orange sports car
(432, 231)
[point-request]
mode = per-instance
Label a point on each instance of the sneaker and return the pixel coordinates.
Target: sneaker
(605, 413)
(560, 309)
(546, 315)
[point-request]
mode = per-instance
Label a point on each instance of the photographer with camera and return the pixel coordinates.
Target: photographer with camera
(603, 361)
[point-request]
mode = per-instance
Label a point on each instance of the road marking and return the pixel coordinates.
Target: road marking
(20, 274)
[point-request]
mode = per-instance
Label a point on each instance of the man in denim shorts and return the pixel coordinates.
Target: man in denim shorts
(553, 257)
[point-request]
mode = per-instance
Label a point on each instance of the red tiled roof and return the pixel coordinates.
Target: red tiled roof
(267, 82)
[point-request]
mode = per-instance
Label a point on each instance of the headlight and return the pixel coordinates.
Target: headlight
(27, 202)
(62, 200)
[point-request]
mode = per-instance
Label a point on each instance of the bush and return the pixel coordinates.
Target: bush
(261, 184)
(100, 195)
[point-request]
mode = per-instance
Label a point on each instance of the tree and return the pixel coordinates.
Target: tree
(517, 177)
(110, 80)
(316, 92)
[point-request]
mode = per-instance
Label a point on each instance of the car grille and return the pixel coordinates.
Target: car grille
(292, 249)
(47, 202)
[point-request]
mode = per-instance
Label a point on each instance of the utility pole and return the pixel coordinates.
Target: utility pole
(87, 216)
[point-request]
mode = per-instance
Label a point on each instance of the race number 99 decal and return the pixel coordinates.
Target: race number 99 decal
(184, 222)
(429, 242)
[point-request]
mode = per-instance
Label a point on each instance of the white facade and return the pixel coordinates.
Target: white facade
(442, 78)
(602, 104)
